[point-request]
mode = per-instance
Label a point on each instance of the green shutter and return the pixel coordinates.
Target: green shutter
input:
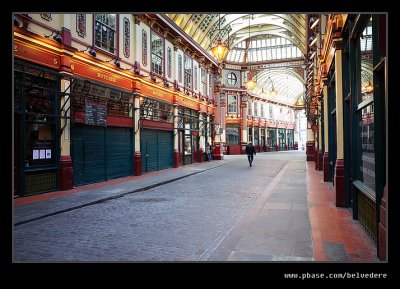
(119, 152)
(90, 153)
(156, 148)
(165, 150)
(100, 154)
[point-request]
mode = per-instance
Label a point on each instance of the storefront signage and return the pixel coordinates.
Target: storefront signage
(95, 113)
(100, 75)
(34, 54)
(188, 103)
(203, 108)
(156, 93)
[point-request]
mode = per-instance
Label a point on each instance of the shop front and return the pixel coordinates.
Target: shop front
(101, 132)
(36, 128)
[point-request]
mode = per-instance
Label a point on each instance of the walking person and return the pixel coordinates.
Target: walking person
(208, 152)
(250, 151)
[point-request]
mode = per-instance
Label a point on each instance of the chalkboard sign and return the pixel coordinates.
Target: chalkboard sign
(95, 113)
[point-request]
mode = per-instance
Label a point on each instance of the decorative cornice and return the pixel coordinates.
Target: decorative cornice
(137, 19)
(337, 43)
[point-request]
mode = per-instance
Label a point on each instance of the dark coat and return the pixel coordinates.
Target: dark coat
(250, 150)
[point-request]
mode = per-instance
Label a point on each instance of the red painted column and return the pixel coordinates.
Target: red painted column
(327, 172)
(137, 163)
(217, 152)
(176, 158)
(200, 155)
(339, 183)
(382, 234)
(65, 173)
(310, 150)
(320, 161)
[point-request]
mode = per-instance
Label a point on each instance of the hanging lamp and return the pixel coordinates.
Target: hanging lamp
(220, 50)
(250, 83)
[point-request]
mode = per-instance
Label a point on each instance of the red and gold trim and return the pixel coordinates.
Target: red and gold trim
(101, 75)
(35, 54)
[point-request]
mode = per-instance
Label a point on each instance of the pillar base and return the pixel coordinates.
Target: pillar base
(137, 163)
(327, 168)
(339, 184)
(310, 146)
(217, 154)
(316, 158)
(65, 173)
(176, 159)
(320, 161)
(382, 233)
(200, 158)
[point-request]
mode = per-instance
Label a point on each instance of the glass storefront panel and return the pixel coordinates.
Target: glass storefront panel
(271, 139)
(365, 112)
(255, 136)
(367, 151)
(232, 135)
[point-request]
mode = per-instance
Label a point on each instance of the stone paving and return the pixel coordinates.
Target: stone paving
(212, 211)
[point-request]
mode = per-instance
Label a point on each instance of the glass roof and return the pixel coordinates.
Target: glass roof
(255, 39)
(287, 83)
(263, 49)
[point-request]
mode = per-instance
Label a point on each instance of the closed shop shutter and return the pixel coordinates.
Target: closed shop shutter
(156, 148)
(148, 150)
(119, 152)
(100, 154)
(165, 150)
(88, 157)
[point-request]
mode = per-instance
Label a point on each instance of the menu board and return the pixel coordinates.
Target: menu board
(95, 113)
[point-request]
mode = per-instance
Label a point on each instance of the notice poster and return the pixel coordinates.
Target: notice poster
(35, 154)
(48, 154)
(42, 154)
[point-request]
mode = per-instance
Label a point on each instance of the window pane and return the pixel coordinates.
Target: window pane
(232, 103)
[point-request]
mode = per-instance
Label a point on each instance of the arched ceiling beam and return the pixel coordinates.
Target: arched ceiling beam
(279, 34)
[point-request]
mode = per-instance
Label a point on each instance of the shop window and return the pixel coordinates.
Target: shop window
(40, 121)
(155, 110)
(105, 32)
(157, 48)
(188, 72)
(250, 134)
(262, 137)
(255, 141)
(271, 138)
(232, 103)
(366, 113)
(118, 102)
(232, 135)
